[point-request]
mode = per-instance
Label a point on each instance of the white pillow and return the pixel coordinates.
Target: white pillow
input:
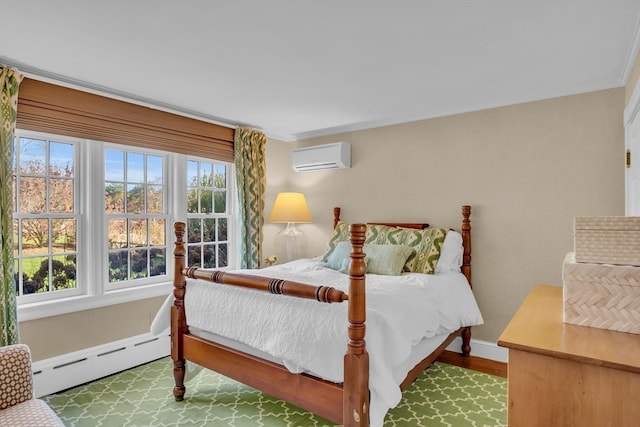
(451, 253)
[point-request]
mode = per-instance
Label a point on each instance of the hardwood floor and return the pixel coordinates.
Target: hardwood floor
(476, 363)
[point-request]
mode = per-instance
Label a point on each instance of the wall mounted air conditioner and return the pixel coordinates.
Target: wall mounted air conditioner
(319, 157)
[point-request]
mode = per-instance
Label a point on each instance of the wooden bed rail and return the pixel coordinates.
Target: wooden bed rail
(274, 286)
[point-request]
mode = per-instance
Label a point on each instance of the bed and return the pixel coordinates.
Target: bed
(297, 331)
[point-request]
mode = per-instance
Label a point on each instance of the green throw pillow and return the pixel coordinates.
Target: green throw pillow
(386, 259)
(381, 259)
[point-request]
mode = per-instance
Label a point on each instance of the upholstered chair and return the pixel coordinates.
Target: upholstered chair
(18, 408)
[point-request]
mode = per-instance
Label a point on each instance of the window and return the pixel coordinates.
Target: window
(92, 218)
(45, 218)
(207, 215)
(136, 215)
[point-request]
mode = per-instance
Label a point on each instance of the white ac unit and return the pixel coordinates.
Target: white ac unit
(318, 157)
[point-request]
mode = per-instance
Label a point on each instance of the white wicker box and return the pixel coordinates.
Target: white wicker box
(607, 240)
(601, 296)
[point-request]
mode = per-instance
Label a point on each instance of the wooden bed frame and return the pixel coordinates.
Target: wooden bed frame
(346, 403)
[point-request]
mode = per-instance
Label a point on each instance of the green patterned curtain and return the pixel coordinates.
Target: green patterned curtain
(9, 82)
(249, 146)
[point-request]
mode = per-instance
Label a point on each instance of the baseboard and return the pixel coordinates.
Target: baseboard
(73, 369)
(484, 349)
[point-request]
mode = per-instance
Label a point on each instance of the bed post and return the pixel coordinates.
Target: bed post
(465, 334)
(178, 318)
(336, 217)
(355, 409)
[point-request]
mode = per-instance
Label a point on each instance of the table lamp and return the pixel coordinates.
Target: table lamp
(291, 208)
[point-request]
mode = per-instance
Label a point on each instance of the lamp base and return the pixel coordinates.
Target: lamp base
(291, 243)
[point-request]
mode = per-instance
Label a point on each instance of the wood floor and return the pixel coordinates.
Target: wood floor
(476, 363)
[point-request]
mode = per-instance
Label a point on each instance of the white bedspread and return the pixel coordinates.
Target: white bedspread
(312, 337)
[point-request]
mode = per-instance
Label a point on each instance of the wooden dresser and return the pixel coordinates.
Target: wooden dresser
(566, 375)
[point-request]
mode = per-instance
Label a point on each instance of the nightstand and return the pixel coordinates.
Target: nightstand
(568, 375)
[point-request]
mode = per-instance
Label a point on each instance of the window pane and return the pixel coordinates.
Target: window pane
(36, 275)
(193, 230)
(223, 259)
(220, 202)
(61, 195)
(154, 199)
(33, 195)
(114, 197)
(135, 167)
(192, 200)
(137, 232)
(135, 198)
(193, 256)
(158, 262)
(205, 201)
(154, 169)
(139, 263)
(117, 233)
(209, 256)
(206, 175)
(113, 165)
(33, 155)
(220, 176)
(118, 266)
(192, 173)
(63, 272)
(64, 235)
(61, 159)
(158, 232)
(35, 236)
(222, 229)
(209, 230)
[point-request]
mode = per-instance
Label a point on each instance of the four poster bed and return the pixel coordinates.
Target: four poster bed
(364, 379)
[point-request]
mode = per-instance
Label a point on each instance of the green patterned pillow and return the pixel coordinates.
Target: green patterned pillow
(375, 234)
(340, 234)
(425, 243)
(381, 259)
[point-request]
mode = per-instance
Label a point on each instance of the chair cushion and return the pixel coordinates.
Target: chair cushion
(33, 412)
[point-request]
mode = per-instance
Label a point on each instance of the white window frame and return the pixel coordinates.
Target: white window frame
(90, 207)
(77, 215)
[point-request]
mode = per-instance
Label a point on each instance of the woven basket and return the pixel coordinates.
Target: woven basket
(607, 240)
(601, 296)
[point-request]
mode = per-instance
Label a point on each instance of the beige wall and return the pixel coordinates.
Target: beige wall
(527, 170)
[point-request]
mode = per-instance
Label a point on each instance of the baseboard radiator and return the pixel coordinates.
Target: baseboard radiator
(73, 369)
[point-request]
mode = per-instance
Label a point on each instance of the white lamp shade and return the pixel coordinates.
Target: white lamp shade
(290, 207)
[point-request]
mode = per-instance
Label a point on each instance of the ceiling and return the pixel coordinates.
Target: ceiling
(302, 68)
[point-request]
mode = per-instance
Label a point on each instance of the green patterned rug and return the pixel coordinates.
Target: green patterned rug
(444, 395)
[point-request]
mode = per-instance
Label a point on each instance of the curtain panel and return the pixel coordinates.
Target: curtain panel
(9, 82)
(251, 182)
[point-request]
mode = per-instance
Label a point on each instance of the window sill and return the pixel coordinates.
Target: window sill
(39, 310)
